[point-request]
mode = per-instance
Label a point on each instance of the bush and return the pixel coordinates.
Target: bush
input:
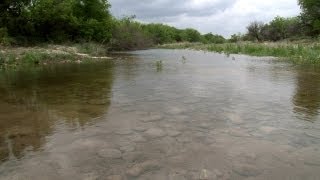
(4, 37)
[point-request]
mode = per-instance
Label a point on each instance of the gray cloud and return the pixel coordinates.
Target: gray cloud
(218, 16)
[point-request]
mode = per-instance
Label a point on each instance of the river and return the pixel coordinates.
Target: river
(161, 114)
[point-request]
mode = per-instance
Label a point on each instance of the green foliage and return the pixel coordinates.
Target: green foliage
(191, 35)
(57, 21)
(4, 37)
(255, 30)
(211, 38)
(297, 53)
(311, 16)
(129, 34)
(235, 38)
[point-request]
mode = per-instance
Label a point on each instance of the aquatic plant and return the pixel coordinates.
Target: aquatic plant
(301, 53)
(159, 65)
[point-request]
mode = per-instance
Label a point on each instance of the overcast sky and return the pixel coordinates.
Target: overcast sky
(223, 17)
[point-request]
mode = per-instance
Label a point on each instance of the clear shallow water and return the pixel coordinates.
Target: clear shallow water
(196, 115)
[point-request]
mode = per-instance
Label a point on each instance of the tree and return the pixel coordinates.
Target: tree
(211, 38)
(192, 35)
(311, 15)
(255, 29)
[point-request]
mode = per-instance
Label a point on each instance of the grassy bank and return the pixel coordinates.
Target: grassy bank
(297, 52)
(14, 57)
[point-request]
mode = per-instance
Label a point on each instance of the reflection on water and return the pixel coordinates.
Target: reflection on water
(32, 102)
(307, 95)
(161, 114)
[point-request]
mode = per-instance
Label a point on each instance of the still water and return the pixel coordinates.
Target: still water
(161, 114)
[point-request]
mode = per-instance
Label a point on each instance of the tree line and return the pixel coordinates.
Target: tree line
(306, 25)
(59, 21)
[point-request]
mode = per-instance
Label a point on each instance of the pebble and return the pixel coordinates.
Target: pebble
(110, 153)
(137, 138)
(313, 134)
(140, 129)
(210, 175)
(114, 177)
(141, 168)
(155, 133)
(173, 133)
(176, 111)
(267, 129)
(123, 132)
(246, 170)
(152, 118)
(127, 148)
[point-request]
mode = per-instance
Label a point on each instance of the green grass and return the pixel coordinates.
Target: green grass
(300, 53)
(16, 57)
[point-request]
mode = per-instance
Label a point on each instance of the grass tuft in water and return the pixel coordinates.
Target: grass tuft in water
(300, 53)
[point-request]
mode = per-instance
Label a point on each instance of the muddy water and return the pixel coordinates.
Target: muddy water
(194, 115)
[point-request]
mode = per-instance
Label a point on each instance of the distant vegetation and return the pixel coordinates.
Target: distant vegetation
(27, 22)
(32, 22)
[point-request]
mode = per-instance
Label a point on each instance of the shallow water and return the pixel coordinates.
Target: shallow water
(194, 115)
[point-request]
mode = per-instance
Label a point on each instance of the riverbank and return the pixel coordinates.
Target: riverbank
(13, 57)
(297, 52)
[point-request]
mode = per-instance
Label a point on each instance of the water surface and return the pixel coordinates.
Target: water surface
(161, 114)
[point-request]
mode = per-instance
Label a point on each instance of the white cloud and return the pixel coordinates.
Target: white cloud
(224, 17)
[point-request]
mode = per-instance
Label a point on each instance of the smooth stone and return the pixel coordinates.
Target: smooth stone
(176, 177)
(203, 126)
(238, 133)
(152, 118)
(183, 139)
(176, 111)
(204, 175)
(123, 132)
(210, 175)
(137, 138)
(178, 174)
(267, 129)
(90, 176)
(246, 170)
(110, 153)
(235, 119)
(133, 156)
(127, 148)
(218, 173)
(173, 133)
(313, 134)
(155, 133)
(141, 168)
(140, 129)
(114, 177)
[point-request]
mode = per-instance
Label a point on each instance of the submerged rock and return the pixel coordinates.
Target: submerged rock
(123, 132)
(174, 133)
(110, 153)
(246, 170)
(114, 177)
(155, 133)
(267, 129)
(137, 138)
(176, 111)
(140, 129)
(141, 168)
(152, 118)
(210, 175)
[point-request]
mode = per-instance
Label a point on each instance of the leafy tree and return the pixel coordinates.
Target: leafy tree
(311, 15)
(235, 38)
(211, 38)
(191, 35)
(129, 34)
(255, 29)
